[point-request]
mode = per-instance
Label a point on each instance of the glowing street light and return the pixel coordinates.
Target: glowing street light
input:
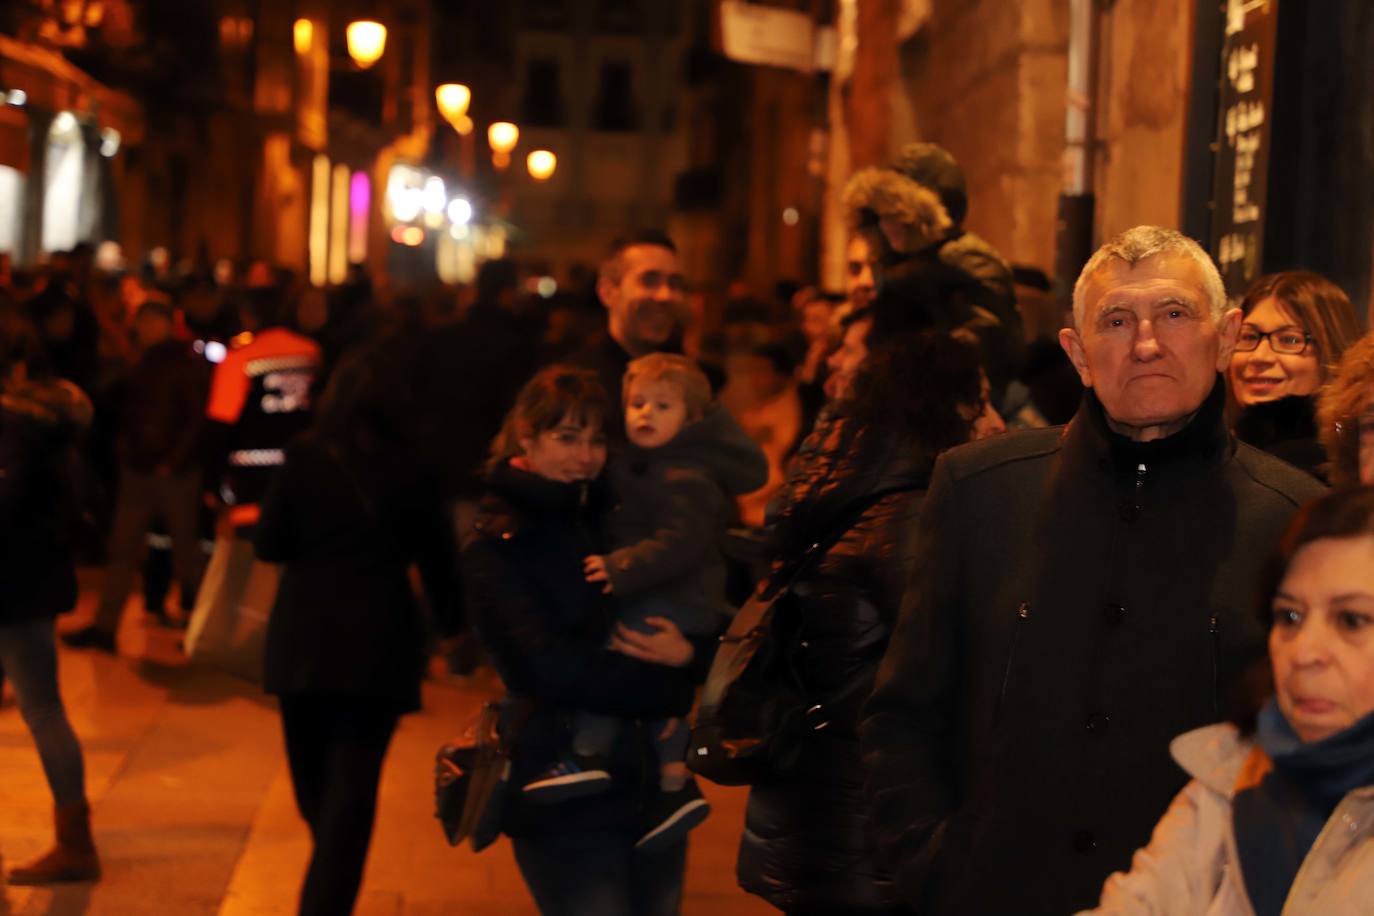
(541, 164)
(503, 135)
(453, 100)
(366, 42)
(303, 32)
(433, 197)
(459, 211)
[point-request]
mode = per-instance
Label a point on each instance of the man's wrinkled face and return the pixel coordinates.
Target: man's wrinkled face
(647, 303)
(1146, 342)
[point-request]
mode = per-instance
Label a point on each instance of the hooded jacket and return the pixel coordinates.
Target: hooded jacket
(1192, 865)
(675, 502)
(912, 211)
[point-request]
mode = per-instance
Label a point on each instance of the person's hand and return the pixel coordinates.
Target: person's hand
(595, 569)
(665, 646)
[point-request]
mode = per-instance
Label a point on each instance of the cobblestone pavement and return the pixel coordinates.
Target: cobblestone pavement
(193, 808)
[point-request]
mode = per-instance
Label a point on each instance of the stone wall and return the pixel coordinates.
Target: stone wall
(985, 79)
(1142, 113)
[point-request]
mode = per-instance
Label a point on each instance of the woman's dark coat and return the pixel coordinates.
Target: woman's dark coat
(546, 630)
(1286, 429)
(40, 469)
(807, 843)
(348, 525)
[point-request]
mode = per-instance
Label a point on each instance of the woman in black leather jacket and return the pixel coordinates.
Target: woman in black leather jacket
(806, 845)
(547, 630)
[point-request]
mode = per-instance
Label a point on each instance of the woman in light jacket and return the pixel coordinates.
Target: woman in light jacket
(1279, 816)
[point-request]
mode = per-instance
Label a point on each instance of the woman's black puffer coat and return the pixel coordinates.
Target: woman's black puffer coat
(546, 629)
(806, 843)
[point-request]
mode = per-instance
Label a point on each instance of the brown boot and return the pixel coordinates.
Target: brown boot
(72, 859)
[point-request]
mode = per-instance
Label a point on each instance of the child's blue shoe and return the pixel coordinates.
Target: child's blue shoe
(571, 777)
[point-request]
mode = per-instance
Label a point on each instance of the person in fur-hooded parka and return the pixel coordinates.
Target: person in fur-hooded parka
(911, 212)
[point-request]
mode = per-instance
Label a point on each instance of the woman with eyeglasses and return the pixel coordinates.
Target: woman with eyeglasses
(1296, 326)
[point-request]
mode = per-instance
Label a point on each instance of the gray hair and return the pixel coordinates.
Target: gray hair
(1134, 246)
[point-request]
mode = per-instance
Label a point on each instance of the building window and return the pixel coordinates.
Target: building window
(615, 104)
(546, 14)
(62, 198)
(11, 205)
(619, 16)
(542, 105)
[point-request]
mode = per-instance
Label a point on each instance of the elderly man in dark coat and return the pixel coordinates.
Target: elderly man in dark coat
(1082, 597)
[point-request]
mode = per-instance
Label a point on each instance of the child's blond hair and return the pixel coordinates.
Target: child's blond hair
(676, 370)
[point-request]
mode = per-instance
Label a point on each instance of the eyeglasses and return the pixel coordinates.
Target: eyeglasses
(1287, 341)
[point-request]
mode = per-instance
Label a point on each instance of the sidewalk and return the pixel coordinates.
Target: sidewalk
(194, 815)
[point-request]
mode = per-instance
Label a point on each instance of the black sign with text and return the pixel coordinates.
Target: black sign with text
(1247, 91)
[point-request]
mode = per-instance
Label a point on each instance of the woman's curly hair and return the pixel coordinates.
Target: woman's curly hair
(911, 389)
(1346, 396)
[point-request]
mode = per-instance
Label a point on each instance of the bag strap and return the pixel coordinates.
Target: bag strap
(785, 575)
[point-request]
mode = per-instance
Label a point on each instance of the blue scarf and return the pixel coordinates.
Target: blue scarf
(1278, 821)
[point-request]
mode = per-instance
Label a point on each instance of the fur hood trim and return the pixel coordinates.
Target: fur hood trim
(911, 215)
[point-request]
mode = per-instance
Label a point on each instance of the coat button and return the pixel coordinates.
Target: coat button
(1084, 841)
(1115, 614)
(1098, 722)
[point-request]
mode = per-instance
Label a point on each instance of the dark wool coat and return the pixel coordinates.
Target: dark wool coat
(546, 629)
(1079, 601)
(675, 503)
(346, 621)
(807, 845)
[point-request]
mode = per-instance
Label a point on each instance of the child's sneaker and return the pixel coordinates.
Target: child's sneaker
(671, 816)
(571, 777)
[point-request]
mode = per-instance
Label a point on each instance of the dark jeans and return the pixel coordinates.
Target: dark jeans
(599, 874)
(28, 657)
(142, 498)
(595, 735)
(335, 747)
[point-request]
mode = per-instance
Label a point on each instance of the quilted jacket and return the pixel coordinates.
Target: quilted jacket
(806, 844)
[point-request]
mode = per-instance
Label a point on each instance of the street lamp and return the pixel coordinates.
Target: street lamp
(304, 34)
(503, 135)
(453, 100)
(541, 164)
(366, 42)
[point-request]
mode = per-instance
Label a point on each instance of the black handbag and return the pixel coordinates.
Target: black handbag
(754, 710)
(472, 776)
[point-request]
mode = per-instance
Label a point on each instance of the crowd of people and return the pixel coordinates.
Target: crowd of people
(1054, 577)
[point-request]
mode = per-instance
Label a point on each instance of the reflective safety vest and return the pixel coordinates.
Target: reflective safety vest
(262, 392)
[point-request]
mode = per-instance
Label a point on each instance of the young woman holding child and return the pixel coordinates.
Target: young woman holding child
(555, 640)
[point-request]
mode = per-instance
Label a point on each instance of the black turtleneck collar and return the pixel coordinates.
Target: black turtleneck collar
(1204, 437)
(1293, 417)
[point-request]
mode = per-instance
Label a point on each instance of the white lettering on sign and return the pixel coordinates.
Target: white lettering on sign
(286, 392)
(1237, 248)
(1240, 67)
(1243, 117)
(1243, 122)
